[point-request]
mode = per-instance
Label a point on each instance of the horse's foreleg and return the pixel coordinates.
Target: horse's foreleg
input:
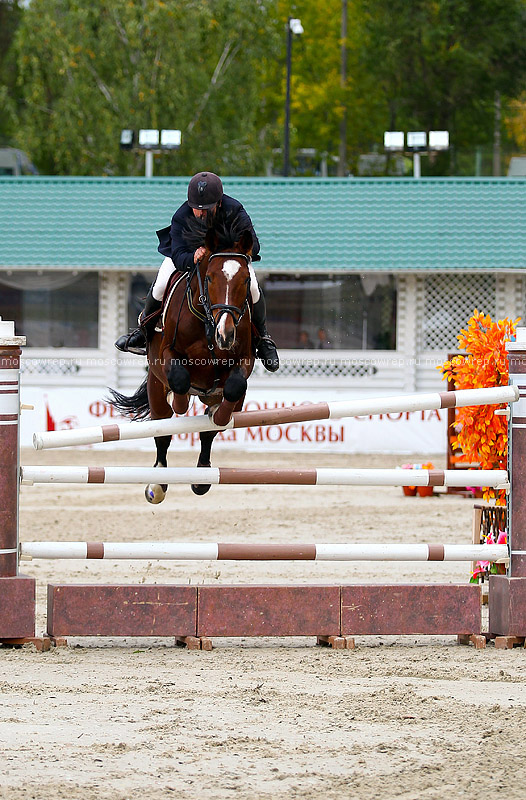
(233, 396)
(233, 393)
(179, 382)
(160, 409)
(206, 437)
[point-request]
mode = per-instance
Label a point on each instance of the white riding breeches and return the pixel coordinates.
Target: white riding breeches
(167, 267)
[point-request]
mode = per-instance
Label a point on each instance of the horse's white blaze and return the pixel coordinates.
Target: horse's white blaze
(230, 270)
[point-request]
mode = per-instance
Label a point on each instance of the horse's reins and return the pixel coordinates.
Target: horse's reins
(204, 299)
(207, 317)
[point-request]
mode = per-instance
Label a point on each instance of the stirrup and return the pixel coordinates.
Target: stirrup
(134, 342)
(267, 353)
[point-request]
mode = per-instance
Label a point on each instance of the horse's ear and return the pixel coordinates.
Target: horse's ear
(246, 242)
(211, 239)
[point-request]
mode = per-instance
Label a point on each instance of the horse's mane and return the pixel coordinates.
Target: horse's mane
(226, 226)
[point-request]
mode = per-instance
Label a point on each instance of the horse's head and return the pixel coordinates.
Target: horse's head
(227, 284)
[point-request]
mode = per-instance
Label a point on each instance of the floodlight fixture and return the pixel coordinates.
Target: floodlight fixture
(295, 26)
(394, 141)
(170, 139)
(416, 140)
(127, 139)
(438, 140)
(148, 139)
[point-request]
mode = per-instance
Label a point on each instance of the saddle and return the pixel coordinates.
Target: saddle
(173, 282)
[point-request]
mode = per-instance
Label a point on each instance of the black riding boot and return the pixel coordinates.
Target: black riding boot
(265, 347)
(135, 342)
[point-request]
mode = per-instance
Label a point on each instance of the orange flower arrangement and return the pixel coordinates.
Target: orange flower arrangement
(481, 435)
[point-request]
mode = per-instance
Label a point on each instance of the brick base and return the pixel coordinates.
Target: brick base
(136, 610)
(334, 614)
(17, 607)
(399, 609)
(507, 606)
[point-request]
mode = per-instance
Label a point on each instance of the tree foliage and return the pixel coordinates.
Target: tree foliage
(411, 65)
(10, 17)
(90, 69)
(516, 121)
(440, 62)
(318, 98)
(73, 74)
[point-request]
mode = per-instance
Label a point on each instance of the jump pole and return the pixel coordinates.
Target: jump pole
(204, 551)
(17, 592)
(277, 416)
(230, 475)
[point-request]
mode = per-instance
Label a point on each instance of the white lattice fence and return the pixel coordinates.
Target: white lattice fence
(446, 302)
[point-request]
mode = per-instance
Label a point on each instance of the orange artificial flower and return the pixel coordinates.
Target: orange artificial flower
(480, 434)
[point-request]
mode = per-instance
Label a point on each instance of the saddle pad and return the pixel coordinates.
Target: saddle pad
(174, 281)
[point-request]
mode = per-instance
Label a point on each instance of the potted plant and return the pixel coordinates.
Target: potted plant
(409, 491)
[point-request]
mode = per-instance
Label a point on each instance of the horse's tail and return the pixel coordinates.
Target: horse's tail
(136, 406)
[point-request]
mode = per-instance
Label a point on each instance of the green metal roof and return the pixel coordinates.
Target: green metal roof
(304, 224)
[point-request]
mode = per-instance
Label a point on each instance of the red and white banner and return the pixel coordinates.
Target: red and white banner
(419, 432)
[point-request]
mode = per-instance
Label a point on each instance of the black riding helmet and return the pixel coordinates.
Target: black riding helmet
(205, 190)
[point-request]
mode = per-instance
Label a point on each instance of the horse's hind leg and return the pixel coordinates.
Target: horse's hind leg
(206, 437)
(160, 409)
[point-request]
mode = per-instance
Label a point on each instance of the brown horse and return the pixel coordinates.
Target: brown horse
(205, 346)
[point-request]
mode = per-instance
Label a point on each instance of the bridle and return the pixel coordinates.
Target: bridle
(235, 312)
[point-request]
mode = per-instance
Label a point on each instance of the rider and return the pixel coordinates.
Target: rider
(205, 196)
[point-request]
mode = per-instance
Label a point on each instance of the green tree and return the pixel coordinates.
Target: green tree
(216, 70)
(440, 63)
(318, 100)
(10, 17)
(88, 70)
(412, 64)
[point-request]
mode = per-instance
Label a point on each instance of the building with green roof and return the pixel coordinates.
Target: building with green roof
(389, 269)
(304, 225)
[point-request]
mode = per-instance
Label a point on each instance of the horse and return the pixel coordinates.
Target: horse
(205, 347)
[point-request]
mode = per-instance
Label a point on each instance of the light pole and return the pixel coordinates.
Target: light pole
(293, 26)
(417, 143)
(150, 141)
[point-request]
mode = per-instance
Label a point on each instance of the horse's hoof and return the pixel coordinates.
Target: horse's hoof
(154, 493)
(200, 488)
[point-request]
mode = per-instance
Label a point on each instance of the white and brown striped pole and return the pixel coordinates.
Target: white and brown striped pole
(307, 412)
(517, 456)
(507, 593)
(238, 551)
(230, 475)
(9, 446)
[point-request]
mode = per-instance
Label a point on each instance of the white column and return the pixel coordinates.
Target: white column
(113, 313)
(406, 319)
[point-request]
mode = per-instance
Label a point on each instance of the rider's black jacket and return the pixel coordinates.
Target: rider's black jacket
(173, 244)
